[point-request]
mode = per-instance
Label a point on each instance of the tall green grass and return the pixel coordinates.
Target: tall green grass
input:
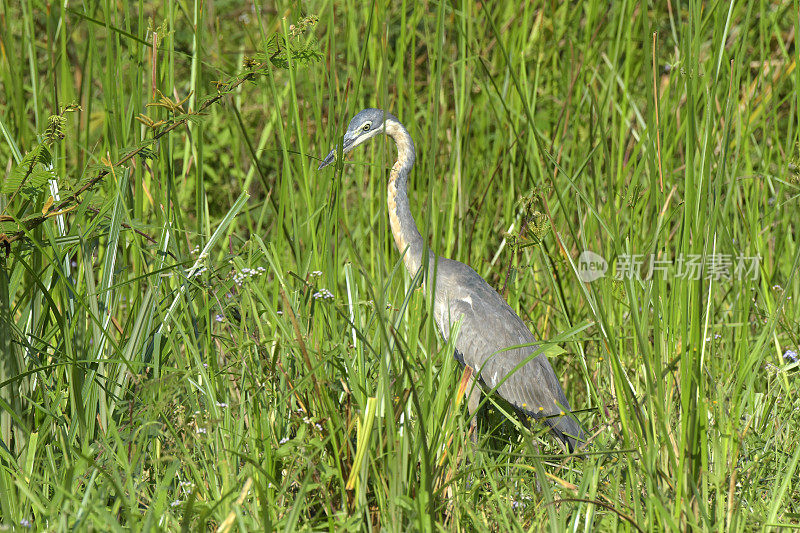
(221, 337)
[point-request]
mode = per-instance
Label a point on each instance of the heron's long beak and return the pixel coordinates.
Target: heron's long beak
(347, 145)
(330, 158)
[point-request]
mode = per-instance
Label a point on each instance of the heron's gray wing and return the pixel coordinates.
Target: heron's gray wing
(489, 331)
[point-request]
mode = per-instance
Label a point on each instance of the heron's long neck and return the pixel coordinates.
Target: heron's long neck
(406, 235)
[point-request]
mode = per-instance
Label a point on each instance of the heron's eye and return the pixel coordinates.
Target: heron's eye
(366, 127)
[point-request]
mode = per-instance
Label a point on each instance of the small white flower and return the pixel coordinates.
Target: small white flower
(284, 440)
(322, 293)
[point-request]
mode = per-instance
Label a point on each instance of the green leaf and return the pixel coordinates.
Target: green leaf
(31, 174)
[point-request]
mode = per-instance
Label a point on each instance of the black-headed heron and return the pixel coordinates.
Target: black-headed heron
(492, 338)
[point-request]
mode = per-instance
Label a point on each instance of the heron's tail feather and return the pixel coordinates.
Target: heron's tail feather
(569, 431)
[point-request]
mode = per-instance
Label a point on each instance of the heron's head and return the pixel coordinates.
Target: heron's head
(366, 124)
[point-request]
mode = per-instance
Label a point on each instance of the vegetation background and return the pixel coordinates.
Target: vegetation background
(200, 331)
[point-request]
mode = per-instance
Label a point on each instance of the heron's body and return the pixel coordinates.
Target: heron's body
(492, 338)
